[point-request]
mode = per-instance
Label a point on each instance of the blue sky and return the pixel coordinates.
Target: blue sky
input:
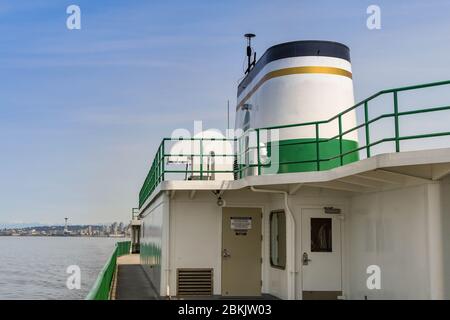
(82, 111)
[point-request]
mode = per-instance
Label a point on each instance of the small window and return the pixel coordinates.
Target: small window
(278, 239)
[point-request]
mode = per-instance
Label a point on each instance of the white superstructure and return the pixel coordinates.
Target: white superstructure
(375, 226)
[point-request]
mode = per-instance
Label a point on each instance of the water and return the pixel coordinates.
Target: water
(35, 267)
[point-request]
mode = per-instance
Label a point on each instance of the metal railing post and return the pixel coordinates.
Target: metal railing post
(152, 178)
(397, 141)
(240, 160)
(341, 157)
(317, 147)
(201, 159)
(158, 156)
(163, 158)
(366, 125)
(258, 152)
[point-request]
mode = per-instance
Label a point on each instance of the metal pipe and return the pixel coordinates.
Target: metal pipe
(291, 267)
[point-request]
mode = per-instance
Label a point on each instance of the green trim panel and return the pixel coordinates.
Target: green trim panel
(299, 150)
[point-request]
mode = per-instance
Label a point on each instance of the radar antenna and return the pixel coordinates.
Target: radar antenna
(250, 63)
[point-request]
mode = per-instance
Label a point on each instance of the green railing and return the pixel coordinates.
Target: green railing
(102, 286)
(158, 171)
(123, 248)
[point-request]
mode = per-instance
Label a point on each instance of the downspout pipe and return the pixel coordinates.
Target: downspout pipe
(291, 268)
(166, 214)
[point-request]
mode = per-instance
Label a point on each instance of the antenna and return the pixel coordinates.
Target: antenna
(250, 64)
(228, 114)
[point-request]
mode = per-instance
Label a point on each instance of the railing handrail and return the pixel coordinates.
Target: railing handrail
(104, 279)
(157, 170)
(96, 293)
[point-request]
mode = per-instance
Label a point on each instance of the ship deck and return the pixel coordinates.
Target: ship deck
(131, 281)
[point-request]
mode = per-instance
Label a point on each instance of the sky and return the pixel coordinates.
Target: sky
(83, 111)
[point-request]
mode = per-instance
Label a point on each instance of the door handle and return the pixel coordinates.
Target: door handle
(225, 253)
(305, 259)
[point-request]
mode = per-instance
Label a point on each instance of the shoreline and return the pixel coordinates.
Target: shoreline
(62, 236)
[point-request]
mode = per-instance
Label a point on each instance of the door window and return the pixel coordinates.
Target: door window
(321, 235)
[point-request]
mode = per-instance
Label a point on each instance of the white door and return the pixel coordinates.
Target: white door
(319, 254)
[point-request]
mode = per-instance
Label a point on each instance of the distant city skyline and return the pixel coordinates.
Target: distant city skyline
(82, 111)
(37, 224)
(115, 229)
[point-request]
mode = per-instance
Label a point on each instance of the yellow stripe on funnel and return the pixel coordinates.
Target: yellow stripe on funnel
(295, 70)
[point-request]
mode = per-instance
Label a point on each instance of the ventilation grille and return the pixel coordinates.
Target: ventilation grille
(194, 282)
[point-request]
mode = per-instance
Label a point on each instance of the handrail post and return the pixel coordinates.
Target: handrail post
(341, 157)
(366, 125)
(236, 158)
(154, 174)
(158, 156)
(258, 152)
(163, 158)
(317, 147)
(397, 141)
(246, 153)
(150, 179)
(201, 159)
(240, 161)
